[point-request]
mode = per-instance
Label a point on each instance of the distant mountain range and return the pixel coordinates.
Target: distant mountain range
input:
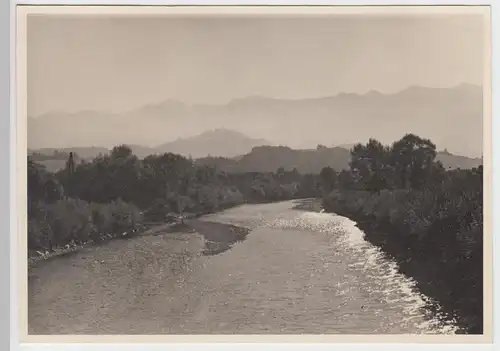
(234, 152)
(450, 117)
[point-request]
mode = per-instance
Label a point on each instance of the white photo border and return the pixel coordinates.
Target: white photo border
(12, 180)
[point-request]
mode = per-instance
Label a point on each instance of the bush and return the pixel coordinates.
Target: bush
(125, 217)
(73, 222)
(158, 210)
(442, 228)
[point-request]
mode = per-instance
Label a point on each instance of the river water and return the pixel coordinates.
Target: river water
(297, 272)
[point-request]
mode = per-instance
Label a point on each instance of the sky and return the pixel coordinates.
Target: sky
(116, 64)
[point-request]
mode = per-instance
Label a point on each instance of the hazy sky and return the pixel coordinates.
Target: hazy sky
(113, 64)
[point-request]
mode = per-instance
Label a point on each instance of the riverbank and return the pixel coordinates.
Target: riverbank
(35, 256)
(218, 237)
(426, 273)
(309, 204)
(451, 281)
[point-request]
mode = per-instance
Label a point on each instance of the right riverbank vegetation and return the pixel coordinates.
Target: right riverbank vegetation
(430, 220)
(427, 218)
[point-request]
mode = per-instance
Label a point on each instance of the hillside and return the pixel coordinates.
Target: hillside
(244, 157)
(451, 161)
(270, 158)
(218, 142)
(300, 124)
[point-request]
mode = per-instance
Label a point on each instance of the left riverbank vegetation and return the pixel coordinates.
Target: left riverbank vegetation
(119, 195)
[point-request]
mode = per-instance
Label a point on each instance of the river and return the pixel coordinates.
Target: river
(297, 272)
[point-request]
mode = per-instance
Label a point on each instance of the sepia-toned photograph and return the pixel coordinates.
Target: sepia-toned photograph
(255, 172)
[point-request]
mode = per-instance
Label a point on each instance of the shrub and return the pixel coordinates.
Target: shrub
(125, 216)
(158, 210)
(442, 228)
(73, 221)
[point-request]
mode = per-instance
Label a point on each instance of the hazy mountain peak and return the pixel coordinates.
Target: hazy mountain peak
(216, 142)
(250, 98)
(162, 106)
(224, 132)
(348, 95)
(374, 93)
(466, 85)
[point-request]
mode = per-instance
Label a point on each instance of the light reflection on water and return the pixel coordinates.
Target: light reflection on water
(296, 272)
(320, 275)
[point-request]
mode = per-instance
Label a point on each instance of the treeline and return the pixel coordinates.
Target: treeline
(117, 194)
(429, 219)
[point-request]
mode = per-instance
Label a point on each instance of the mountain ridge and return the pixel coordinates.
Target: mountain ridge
(178, 102)
(300, 123)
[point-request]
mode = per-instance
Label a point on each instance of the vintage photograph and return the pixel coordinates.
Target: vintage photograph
(243, 173)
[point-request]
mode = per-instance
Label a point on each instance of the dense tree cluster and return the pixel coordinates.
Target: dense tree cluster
(115, 193)
(429, 219)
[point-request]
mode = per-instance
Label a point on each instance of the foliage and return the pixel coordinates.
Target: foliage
(42, 185)
(105, 197)
(421, 214)
(74, 222)
(328, 178)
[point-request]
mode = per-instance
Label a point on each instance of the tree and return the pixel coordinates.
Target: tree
(280, 174)
(412, 159)
(70, 171)
(179, 204)
(123, 174)
(308, 186)
(328, 178)
(345, 180)
(121, 151)
(369, 165)
(42, 185)
(437, 176)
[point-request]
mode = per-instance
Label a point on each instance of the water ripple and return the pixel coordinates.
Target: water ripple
(380, 274)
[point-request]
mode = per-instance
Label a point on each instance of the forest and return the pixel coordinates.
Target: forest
(429, 219)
